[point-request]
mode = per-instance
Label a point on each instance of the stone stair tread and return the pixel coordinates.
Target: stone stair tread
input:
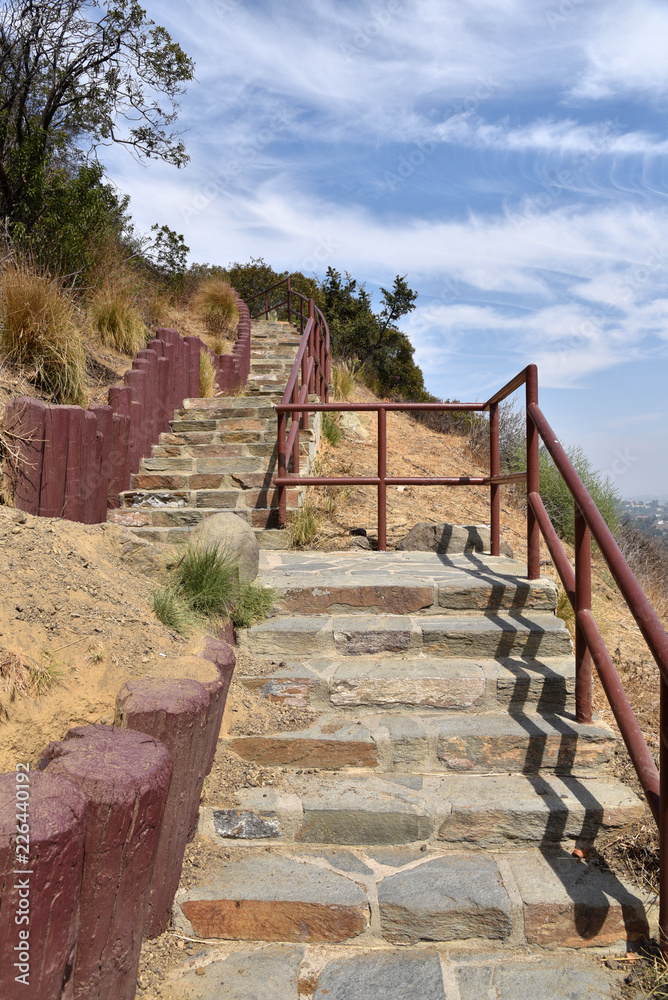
(544, 898)
(418, 681)
(475, 743)
(361, 807)
(499, 635)
(286, 971)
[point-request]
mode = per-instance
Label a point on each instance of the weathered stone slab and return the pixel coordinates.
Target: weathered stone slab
(335, 600)
(332, 743)
(295, 692)
(527, 743)
(549, 684)
(277, 899)
(243, 824)
(498, 595)
(543, 980)
(383, 976)
(427, 683)
(571, 904)
(450, 538)
(409, 741)
(498, 636)
(300, 636)
(355, 811)
(358, 634)
(532, 809)
(447, 899)
(270, 972)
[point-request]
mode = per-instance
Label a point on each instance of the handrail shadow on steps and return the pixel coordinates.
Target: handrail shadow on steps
(590, 650)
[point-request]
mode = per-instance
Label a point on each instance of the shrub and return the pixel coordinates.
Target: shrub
(172, 609)
(38, 330)
(207, 579)
(343, 380)
(559, 501)
(217, 304)
(253, 603)
(331, 429)
(117, 319)
(207, 376)
(304, 525)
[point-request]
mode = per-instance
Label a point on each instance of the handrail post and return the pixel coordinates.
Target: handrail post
(663, 819)
(533, 476)
(583, 660)
(303, 416)
(311, 343)
(495, 489)
(282, 469)
(266, 305)
(382, 476)
(289, 310)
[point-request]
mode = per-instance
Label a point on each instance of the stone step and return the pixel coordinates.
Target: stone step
(188, 517)
(481, 744)
(537, 634)
(404, 583)
(404, 897)
(420, 682)
(267, 538)
(294, 971)
(225, 405)
(467, 810)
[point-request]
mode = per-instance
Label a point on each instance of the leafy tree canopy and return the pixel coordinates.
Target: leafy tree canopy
(74, 75)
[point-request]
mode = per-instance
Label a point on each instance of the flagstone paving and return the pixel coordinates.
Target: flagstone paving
(420, 840)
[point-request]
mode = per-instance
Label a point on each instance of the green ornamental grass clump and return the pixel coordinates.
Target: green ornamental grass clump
(204, 591)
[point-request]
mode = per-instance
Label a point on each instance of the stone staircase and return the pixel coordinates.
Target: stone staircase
(220, 454)
(419, 837)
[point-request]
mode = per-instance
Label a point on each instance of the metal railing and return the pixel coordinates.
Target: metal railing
(590, 647)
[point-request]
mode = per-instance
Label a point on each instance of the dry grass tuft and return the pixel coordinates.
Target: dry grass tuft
(114, 314)
(216, 303)
(343, 380)
(18, 679)
(38, 331)
(207, 376)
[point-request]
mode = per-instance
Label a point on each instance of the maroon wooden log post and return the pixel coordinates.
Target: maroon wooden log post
(222, 655)
(119, 478)
(196, 347)
(174, 712)
(39, 901)
(54, 465)
(125, 776)
(25, 418)
(91, 468)
(73, 508)
(105, 417)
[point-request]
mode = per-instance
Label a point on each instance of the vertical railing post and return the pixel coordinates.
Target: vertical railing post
(311, 343)
(289, 309)
(583, 661)
(282, 468)
(663, 818)
(533, 476)
(382, 476)
(303, 415)
(266, 305)
(495, 489)
(328, 364)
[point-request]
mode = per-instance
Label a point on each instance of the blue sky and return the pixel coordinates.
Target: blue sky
(509, 156)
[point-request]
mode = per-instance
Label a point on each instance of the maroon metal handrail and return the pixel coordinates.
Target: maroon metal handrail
(589, 644)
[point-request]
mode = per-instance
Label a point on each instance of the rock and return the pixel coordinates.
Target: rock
(360, 542)
(235, 538)
(450, 538)
(353, 426)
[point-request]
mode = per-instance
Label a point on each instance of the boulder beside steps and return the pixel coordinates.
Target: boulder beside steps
(441, 806)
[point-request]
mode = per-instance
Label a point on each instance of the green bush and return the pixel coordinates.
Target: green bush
(207, 580)
(559, 501)
(253, 603)
(331, 428)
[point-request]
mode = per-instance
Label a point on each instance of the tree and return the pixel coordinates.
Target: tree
(384, 352)
(79, 73)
